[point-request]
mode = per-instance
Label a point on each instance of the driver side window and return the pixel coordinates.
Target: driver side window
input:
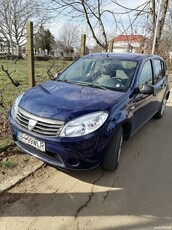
(146, 74)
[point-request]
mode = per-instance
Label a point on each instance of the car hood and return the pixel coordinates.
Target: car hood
(65, 101)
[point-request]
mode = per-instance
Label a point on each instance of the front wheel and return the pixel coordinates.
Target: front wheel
(161, 111)
(113, 151)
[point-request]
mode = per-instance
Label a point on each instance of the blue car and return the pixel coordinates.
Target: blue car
(79, 120)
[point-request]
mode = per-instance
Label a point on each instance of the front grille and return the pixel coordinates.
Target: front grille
(42, 126)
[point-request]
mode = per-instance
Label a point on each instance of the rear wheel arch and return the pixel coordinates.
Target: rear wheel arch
(162, 108)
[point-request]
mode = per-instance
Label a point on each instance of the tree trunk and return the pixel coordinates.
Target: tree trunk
(161, 22)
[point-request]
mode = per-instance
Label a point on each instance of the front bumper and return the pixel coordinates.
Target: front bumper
(66, 153)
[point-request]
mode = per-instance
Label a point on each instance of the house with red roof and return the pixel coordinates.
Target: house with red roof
(129, 43)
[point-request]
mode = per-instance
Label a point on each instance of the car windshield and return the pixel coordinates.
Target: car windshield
(105, 73)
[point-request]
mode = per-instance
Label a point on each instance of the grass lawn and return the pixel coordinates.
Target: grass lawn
(8, 92)
(18, 71)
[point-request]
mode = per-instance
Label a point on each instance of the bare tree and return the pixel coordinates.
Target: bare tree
(68, 39)
(161, 22)
(13, 17)
(96, 13)
(87, 10)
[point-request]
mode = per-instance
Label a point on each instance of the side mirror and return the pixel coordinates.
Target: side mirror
(146, 89)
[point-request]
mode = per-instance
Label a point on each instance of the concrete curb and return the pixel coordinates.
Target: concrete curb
(14, 180)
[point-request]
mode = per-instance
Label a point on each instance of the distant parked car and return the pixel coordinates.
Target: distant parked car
(80, 119)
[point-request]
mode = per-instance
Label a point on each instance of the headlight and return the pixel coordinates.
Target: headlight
(84, 125)
(14, 108)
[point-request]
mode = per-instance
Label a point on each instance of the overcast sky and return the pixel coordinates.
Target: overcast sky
(132, 3)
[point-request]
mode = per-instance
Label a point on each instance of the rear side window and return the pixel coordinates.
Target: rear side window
(159, 69)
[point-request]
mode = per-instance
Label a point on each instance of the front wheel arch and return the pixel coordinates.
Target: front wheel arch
(113, 150)
(126, 130)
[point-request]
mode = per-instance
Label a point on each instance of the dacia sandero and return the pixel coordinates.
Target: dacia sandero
(79, 119)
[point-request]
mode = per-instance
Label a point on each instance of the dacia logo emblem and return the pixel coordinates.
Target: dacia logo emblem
(31, 124)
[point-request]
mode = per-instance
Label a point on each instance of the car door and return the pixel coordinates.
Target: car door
(142, 103)
(159, 82)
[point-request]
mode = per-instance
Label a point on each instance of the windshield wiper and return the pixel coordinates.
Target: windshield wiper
(91, 85)
(96, 86)
(83, 84)
(67, 81)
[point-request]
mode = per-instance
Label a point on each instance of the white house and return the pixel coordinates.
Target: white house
(129, 43)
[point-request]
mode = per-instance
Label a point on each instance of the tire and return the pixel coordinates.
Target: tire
(161, 111)
(113, 151)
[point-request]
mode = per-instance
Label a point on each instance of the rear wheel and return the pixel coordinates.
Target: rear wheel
(161, 111)
(113, 151)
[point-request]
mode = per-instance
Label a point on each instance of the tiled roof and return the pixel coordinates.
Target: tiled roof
(129, 38)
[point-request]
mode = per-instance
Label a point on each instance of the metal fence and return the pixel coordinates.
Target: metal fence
(14, 75)
(14, 80)
(20, 72)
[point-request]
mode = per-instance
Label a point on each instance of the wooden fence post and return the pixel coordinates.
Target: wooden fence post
(111, 46)
(30, 54)
(83, 41)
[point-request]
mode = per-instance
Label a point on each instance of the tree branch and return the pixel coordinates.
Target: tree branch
(15, 83)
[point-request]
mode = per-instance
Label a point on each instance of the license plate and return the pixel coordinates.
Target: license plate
(23, 137)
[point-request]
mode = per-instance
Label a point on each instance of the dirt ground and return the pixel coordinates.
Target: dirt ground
(18, 161)
(136, 197)
(12, 160)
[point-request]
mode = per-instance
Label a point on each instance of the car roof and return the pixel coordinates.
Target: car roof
(126, 56)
